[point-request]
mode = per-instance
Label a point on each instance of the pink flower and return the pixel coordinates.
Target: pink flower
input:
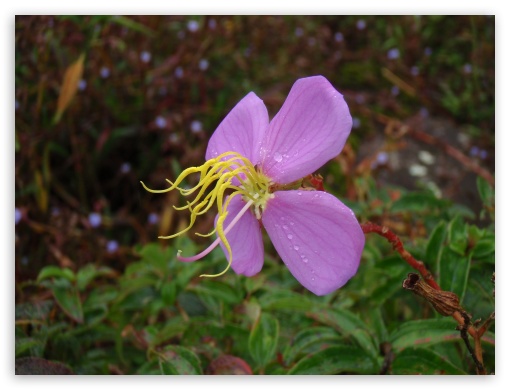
(259, 167)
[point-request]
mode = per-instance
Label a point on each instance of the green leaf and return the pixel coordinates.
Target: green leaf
(348, 325)
(88, 273)
(484, 247)
(26, 344)
(305, 340)
(264, 339)
(285, 300)
(424, 332)
(219, 290)
(169, 293)
(453, 271)
(177, 360)
(421, 361)
(417, 202)
(336, 360)
(457, 235)
(52, 271)
(69, 301)
(436, 243)
(486, 191)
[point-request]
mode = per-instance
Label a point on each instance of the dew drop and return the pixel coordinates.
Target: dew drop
(296, 247)
(300, 193)
(285, 227)
(278, 157)
(289, 236)
(292, 224)
(305, 260)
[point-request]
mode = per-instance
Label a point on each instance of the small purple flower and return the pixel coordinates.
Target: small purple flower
(18, 215)
(112, 246)
(361, 24)
(153, 218)
(415, 71)
(95, 220)
(125, 168)
(428, 51)
(196, 127)
(160, 122)
(393, 54)
(82, 85)
(468, 68)
(356, 123)
(483, 154)
(339, 37)
(298, 32)
(16, 105)
(104, 72)
(203, 64)
(474, 151)
(179, 72)
(145, 56)
(318, 238)
(212, 24)
(193, 25)
(395, 90)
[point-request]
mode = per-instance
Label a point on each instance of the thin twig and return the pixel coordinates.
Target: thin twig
(384, 231)
(459, 314)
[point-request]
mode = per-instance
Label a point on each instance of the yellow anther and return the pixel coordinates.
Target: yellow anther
(217, 176)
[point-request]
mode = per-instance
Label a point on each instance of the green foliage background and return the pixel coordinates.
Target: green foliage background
(113, 299)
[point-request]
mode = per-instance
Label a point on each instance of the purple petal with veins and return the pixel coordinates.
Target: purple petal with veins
(310, 129)
(317, 236)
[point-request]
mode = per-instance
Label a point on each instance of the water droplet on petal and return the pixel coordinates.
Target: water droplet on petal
(285, 227)
(289, 236)
(305, 260)
(278, 157)
(296, 247)
(300, 193)
(292, 224)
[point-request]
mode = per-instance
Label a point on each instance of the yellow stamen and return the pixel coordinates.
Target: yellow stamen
(217, 176)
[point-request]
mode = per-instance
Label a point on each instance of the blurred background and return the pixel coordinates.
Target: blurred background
(102, 102)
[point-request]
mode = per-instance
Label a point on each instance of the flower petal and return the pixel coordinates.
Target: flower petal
(245, 240)
(241, 131)
(317, 237)
(310, 129)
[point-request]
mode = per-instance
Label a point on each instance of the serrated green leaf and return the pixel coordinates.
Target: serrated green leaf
(264, 339)
(421, 361)
(424, 332)
(336, 360)
(177, 360)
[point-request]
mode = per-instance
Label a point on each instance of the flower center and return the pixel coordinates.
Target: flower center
(233, 175)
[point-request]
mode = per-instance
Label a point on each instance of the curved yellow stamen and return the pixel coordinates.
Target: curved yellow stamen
(231, 172)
